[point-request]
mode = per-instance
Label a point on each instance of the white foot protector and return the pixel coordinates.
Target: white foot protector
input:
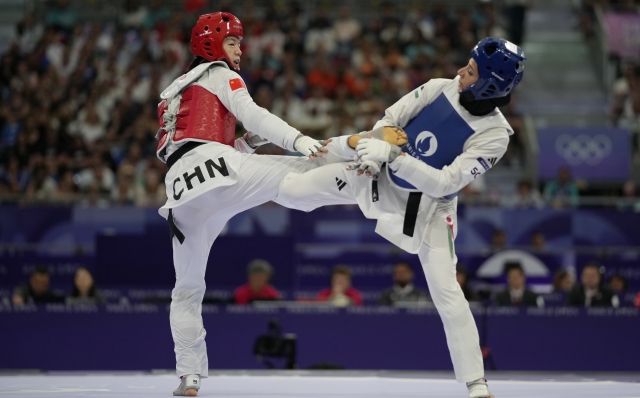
(479, 389)
(189, 386)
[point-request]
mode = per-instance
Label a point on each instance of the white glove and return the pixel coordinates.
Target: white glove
(369, 168)
(377, 150)
(308, 146)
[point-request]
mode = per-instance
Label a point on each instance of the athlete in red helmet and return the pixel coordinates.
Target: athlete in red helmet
(213, 176)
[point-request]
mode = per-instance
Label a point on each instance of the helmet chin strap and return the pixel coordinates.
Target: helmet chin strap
(482, 107)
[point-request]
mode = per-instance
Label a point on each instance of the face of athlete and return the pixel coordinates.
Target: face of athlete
(231, 47)
(468, 75)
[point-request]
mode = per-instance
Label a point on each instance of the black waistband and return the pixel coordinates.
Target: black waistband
(174, 157)
(411, 213)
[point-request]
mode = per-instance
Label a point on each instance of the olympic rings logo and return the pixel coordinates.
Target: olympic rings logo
(583, 148)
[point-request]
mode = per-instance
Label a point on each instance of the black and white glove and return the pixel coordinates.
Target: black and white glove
(371, 149)
(308, 146)
(254, 140)
(369, 168)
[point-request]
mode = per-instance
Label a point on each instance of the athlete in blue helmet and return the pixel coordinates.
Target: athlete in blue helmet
(455, 134)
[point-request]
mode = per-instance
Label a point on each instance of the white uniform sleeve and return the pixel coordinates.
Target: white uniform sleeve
(229, 87)
(339, 147)
(481, 153)
(407, 107)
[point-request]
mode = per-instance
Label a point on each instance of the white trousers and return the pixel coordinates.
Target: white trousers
(201, 220)
(320, 187)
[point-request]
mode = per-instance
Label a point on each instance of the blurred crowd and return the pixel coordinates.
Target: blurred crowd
(78, 110)
(589, 289)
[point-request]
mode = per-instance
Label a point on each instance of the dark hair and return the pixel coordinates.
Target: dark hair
(622, 278)
(403, 264)
(558, 277)
(593, 265)
(75, 292)
(341, 270)
(42, 270)
(513, 265)
(196, 61)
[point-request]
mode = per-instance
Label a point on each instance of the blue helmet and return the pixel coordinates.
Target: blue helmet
(500, 68)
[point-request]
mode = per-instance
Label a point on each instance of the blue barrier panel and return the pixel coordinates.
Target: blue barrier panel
(115, 337)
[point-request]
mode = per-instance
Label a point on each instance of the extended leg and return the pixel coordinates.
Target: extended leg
(438, 260)
(323, 186)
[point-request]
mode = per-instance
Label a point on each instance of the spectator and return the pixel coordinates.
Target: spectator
(97, 175)
(84, 289)
(526, 197)
(562, 282)
(257, 288)
(62, 16)
(37, 290)
(498, 241)
(462, 276)
(340, 293)
(538, 242)
(346, 29)
(517, 294)
(591, 293)
(516, 12)
(562, 191)
(629, 199)
(618, 283)
(403, 291)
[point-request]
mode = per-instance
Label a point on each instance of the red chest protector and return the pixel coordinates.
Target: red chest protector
(200, 117)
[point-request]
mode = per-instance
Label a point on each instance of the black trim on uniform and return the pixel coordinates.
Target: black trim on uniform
(411, 213)
(374, 191)
(174, 157)
(175, 231)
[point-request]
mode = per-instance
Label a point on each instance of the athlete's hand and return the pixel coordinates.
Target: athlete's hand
(254, 140)
(309, 147)
(369, 168)
(391, 134)
(377, 150)
(394, 135)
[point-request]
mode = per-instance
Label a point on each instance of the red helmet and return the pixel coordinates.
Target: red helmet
(209, 33)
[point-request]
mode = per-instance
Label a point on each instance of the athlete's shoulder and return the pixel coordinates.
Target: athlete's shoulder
(496, 120)
(186, 79)
(435, 84)
(225, 78)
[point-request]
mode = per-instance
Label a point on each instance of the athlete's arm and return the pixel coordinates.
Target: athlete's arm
(482, 152)
(232, 92)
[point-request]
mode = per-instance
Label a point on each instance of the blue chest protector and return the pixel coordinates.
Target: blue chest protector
(435, 136)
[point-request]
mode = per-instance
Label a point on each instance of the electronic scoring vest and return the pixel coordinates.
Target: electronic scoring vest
(436, 136)
(190, 112)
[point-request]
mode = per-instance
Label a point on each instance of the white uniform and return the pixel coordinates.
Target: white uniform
(431, 231)
(210, 184)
